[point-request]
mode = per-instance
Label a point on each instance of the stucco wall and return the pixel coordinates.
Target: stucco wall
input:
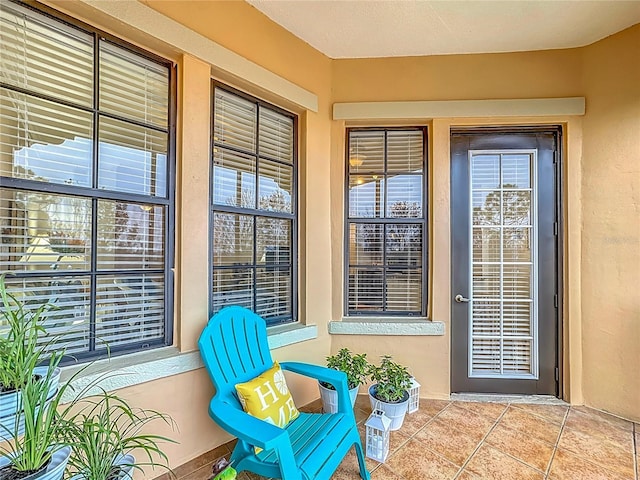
(543, 74)
(611, 224)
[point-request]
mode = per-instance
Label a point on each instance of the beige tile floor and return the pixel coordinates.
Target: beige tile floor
(469, 441)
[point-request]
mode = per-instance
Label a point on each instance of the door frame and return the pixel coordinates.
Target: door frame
(559, 160)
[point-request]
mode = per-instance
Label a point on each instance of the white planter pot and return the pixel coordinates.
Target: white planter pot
(11, 402)
(395, 411)
(55, 468)
(9, 429)
(330, 398)
(124, 461)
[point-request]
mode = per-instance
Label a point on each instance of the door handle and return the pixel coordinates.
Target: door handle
(460, 299)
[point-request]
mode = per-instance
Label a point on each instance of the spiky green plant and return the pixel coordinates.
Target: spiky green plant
(104, 429)
(42, 426)
(22, 339)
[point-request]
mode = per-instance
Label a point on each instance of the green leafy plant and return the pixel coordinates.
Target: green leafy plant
(22, 339)
(104, 429)
(393, 380)
(355, 366)
(43, 429)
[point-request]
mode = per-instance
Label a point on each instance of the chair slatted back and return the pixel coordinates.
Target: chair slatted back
(234, 348)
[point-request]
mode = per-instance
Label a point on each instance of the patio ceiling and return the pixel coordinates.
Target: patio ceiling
(390, 28)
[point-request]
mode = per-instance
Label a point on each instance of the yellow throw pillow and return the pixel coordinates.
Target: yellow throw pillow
(267, 397)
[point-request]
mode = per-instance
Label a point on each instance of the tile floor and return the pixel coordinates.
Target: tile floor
(469, 441)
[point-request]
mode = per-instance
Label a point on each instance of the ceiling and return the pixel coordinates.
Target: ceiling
(390, 28)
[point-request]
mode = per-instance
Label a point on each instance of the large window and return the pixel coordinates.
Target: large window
(253, 206)
(85, 182)
(386, 228)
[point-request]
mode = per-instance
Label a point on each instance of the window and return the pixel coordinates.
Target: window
(253, 200)
(85, 182)
(386, 228)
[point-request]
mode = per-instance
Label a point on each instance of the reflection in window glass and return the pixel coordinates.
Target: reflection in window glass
(45, 57)
(130, 236)
(234, 179)
(44, 141)
(275, 187)
(133, 86)
(232, 239)
(69, 317)
(44, 232)
(131, 158)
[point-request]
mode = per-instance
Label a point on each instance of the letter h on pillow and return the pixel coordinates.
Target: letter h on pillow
(267, 397)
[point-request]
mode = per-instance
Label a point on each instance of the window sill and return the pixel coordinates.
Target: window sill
(137, 368)
(386, 326)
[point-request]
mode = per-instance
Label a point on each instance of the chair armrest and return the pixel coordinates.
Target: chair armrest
(323, 374)
(246, 427)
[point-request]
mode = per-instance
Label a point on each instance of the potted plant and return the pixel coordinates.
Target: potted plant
(35, 450)
(390, 392)
(22, 344)
(102, 432)
(357, 369)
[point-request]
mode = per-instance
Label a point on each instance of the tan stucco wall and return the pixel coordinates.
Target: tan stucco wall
(560, 73)
(611, 225)
(547, 74)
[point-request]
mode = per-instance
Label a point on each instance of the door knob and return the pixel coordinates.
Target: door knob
(460, 299)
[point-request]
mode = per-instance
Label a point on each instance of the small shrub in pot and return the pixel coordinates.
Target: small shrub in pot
(102, 433)
(355, 366)
(392, 380)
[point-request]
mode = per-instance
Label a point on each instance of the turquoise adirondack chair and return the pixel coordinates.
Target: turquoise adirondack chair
(234, 349)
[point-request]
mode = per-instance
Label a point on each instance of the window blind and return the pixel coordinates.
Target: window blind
(386, 226)
(253, 204)
(502, 310)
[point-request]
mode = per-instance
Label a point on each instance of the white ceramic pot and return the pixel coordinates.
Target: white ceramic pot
(11, 402)
(330, 398)
(9, 428)
(395, 411)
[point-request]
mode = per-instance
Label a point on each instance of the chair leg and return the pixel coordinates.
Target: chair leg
(240, 452)
(364, 473)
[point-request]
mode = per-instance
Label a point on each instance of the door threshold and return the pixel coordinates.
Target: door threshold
(502, 398)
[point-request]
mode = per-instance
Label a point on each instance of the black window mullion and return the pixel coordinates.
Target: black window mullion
(257, 155)
(76, 191)
(93, 307)
(384, 267)
(255, 262)
(257, 207)
(96, 105)
(94, 279)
